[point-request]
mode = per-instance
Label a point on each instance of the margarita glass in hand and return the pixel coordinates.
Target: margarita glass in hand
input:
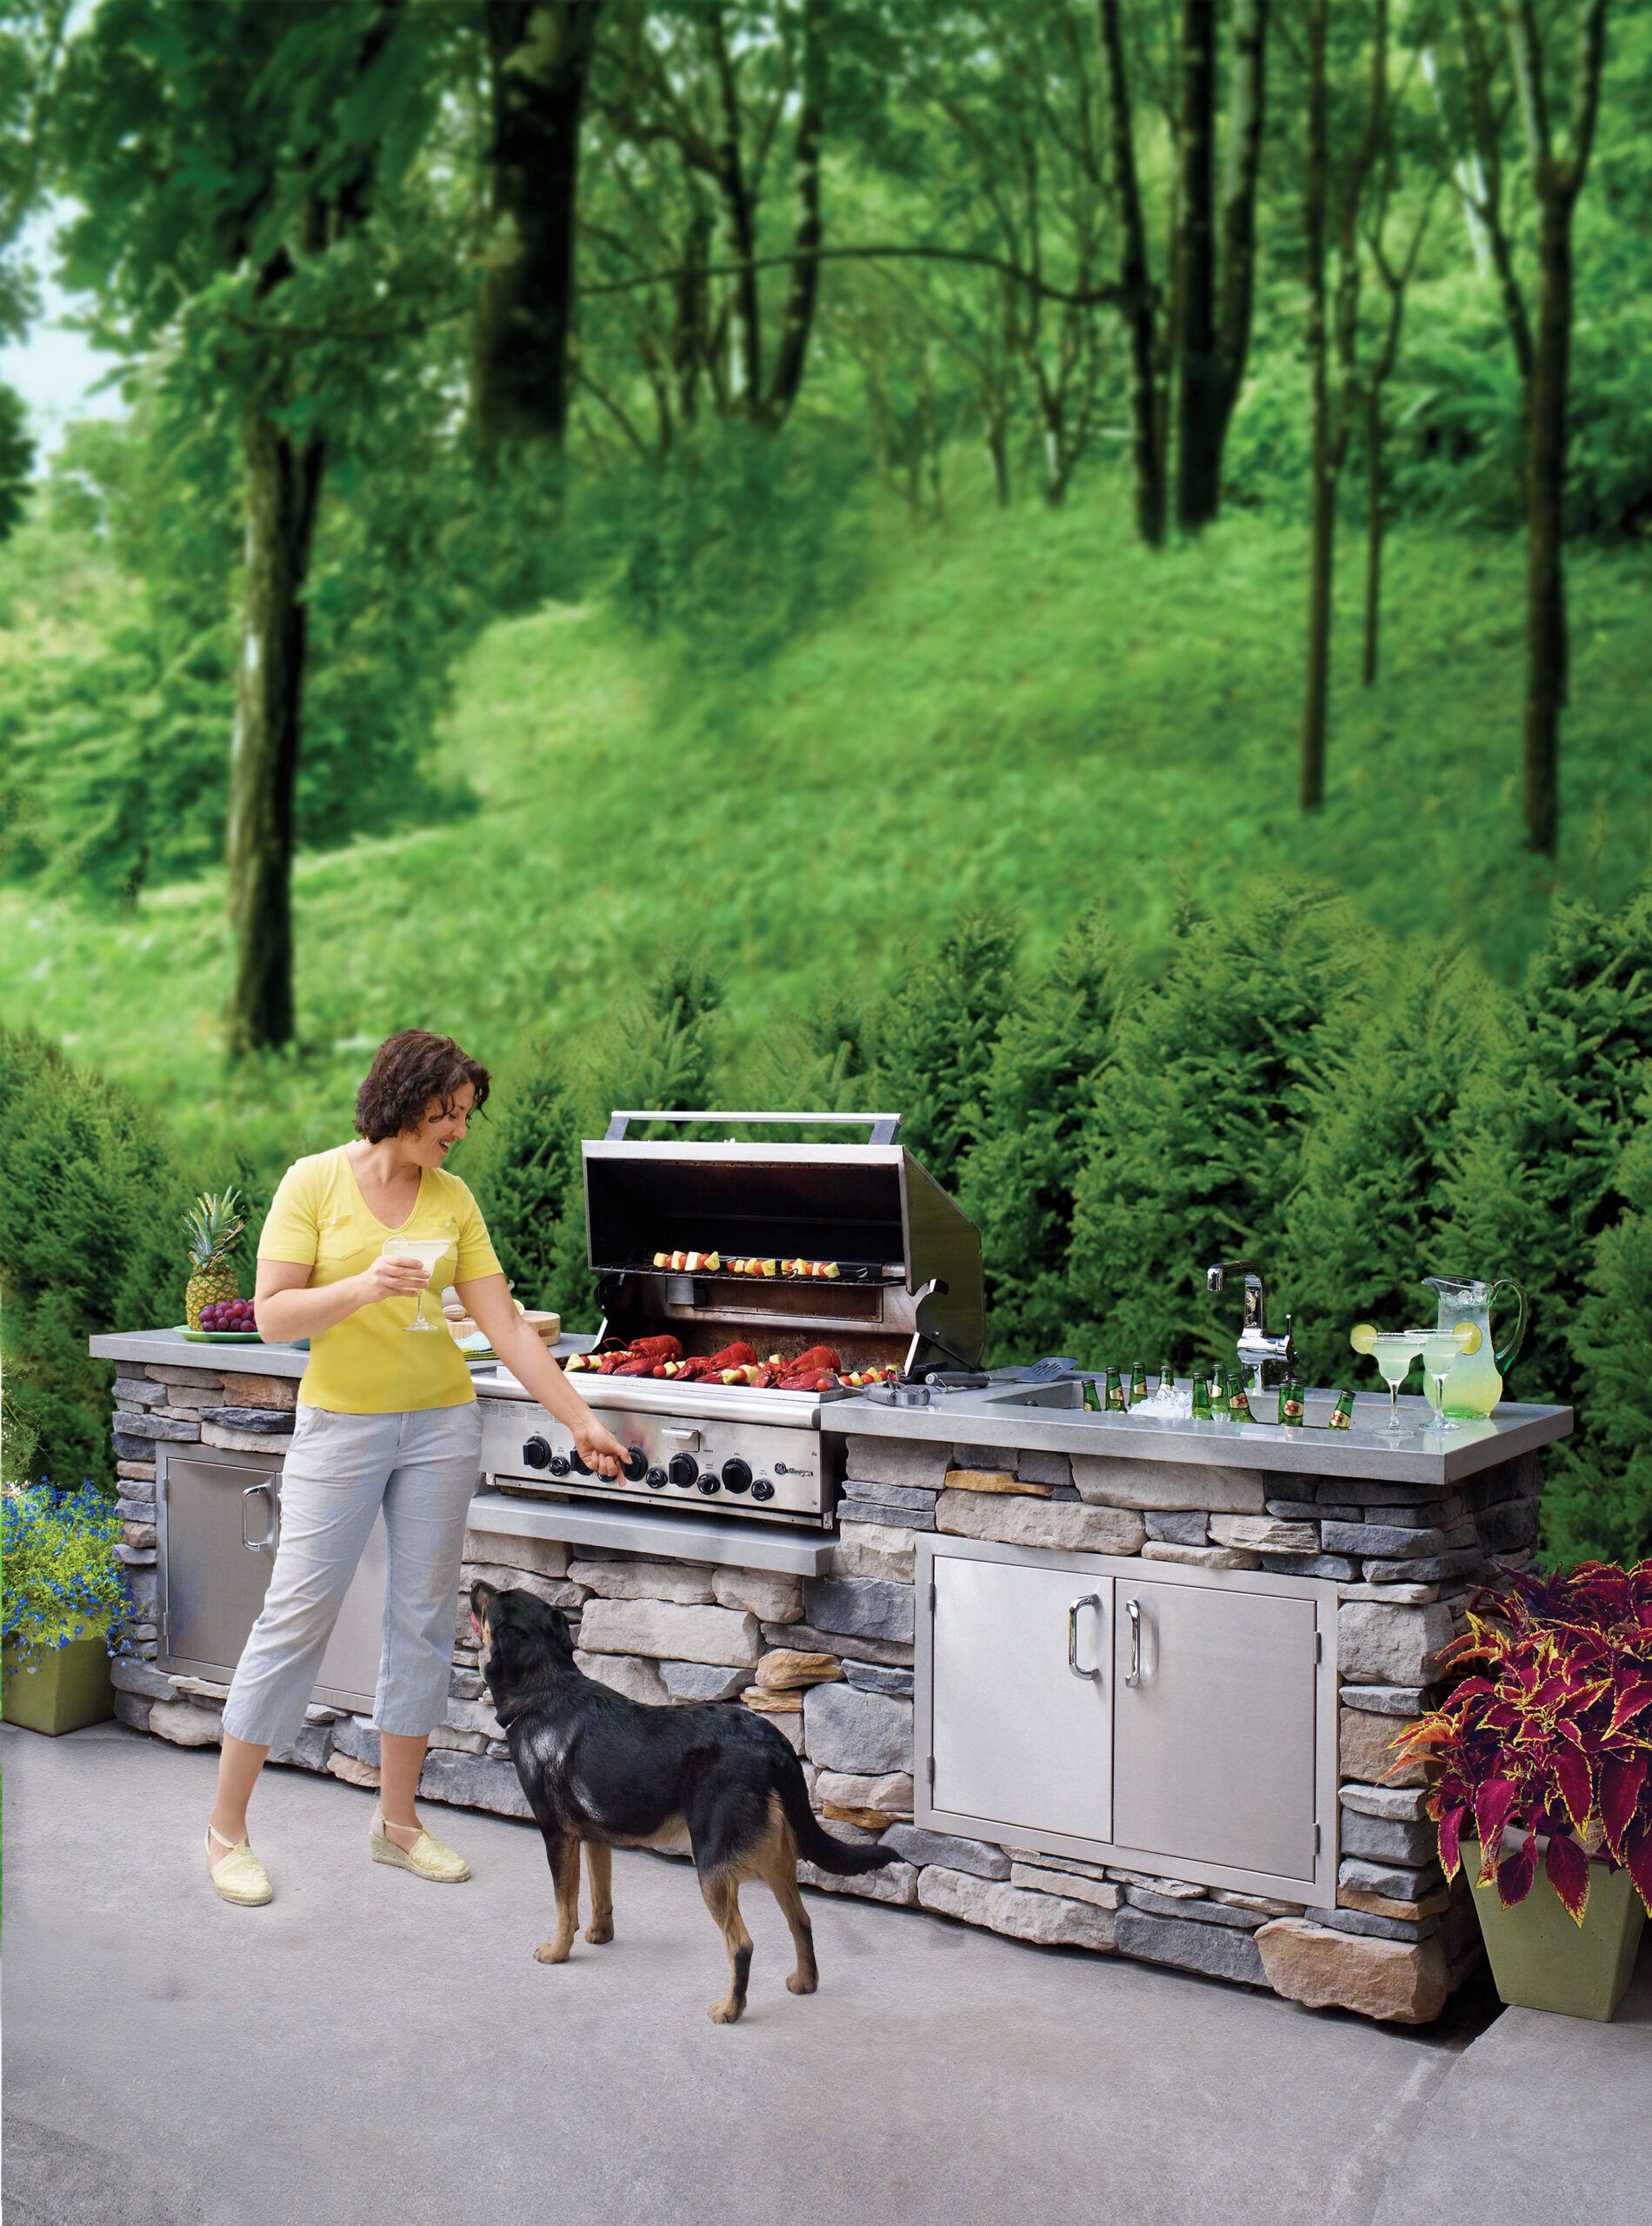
(424, 1252)
(1393, 1351)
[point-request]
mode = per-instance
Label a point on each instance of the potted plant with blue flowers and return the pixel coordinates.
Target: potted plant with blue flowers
(64, 1608)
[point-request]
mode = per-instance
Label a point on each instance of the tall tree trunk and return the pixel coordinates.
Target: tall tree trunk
(1557, 182)
(283, 488)
(1322, 487)
(798, 323)
(1138, 299)
(540, 56)
(995, 433)
(745, 353)
(1546, 525)
(1241, 168)
(690, 326)
(1375, 523)
(1197, 463)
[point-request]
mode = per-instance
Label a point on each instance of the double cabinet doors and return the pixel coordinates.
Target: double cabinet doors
(1172, 1718)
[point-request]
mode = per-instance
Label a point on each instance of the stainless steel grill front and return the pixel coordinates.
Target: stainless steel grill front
(909, 1295)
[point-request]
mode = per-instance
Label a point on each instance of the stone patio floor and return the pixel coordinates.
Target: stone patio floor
(373, 2050)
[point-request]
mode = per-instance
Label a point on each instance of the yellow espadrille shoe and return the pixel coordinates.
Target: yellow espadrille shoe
(427, 1856)
(238, 1876)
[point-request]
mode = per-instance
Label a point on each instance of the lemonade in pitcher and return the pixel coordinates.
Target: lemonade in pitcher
(1474, 1385)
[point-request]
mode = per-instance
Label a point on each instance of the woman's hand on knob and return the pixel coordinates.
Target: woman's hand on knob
(599, 1448)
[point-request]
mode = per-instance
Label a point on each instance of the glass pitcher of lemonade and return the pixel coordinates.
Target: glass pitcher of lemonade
(1474, 1385)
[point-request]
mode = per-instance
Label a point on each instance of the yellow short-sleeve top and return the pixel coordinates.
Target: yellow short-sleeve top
(367, 1363)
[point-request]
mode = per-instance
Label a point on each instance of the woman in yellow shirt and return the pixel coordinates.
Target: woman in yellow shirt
(383, 1420)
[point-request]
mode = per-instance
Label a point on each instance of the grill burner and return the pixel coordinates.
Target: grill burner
(907, 1299)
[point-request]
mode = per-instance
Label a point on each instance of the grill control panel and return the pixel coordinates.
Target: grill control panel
(727, 1467)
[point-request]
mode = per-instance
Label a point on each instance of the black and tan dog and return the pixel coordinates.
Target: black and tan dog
(711, 1775)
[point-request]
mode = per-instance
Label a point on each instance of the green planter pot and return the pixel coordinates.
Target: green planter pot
(1541, 1960)
(70, 1687)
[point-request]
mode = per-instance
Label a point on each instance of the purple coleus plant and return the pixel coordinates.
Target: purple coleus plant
(1549, 1735)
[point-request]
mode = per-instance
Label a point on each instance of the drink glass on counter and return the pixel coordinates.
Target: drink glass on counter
(1393, 1351)
(1441, 1354)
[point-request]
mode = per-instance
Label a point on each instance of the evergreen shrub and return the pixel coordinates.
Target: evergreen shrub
(529, 1178)
(89, 1242)
(1050, 1062)
(1597, 1501)
(1193, 1148)
(526, 1177)
(1360, 1228)
(1536, 1140)
(935, 1039)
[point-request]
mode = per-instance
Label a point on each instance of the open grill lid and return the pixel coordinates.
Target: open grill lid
(908, 1291)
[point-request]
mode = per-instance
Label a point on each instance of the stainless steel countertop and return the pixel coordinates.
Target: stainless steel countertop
(1043, 1421)
(1421, 1454)
(168, 1349)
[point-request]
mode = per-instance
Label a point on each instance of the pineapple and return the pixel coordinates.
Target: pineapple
(214, 1225)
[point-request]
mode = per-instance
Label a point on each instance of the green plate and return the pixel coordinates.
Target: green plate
(217, 1336)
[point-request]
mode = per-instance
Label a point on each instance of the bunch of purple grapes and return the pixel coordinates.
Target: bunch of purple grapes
(229, 1313)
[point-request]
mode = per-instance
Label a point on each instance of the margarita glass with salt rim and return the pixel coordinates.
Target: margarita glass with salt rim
(425, 1251)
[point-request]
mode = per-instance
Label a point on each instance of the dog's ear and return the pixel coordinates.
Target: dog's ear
(555, 1624)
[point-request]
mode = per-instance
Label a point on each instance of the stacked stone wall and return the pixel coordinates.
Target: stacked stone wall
(828, 1661)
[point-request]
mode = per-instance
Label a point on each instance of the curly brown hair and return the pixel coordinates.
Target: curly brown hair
(407, 1072)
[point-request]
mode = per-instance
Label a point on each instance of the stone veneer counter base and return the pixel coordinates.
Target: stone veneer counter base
(818, 1632)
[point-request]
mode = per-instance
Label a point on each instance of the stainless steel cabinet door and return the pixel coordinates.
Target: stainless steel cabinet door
(1213, 1756)
(1018, 1738)
(220, 1519)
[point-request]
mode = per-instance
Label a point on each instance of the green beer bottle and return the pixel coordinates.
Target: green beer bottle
(1342, 1412)
(1114, 1402)
(1291, 1404)
(1218, 1395)
(1238, 1409)
(1138, 1384)
(1167, 1374)
(1201, 1398)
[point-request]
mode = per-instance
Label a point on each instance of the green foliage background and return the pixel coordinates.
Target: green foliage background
(714, 762)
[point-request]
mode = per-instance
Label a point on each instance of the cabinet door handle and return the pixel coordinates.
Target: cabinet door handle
(1133, 1609)
(266, 1544)
(1085, 1600)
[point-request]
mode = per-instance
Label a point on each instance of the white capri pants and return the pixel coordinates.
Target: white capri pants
(422, 1466)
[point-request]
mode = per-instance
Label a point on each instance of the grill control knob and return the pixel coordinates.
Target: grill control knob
(656, 1480)
(682, 1469)
(737, 1475)
(576, 1463)
(537, 1453)
(559, 1465)
(636, 1464)
(709, 1483)
(762, 1489)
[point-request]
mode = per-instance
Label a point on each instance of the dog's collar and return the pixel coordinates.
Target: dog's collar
(516, 1715)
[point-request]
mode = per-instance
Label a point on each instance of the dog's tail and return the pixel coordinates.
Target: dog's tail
(816, 1846)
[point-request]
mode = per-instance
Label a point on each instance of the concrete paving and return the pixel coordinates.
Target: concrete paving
(370, 2048)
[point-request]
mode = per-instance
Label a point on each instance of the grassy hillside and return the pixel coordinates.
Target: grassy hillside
(1023, 712)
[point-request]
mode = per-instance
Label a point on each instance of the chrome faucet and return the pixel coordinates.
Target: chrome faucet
(1262, 1358)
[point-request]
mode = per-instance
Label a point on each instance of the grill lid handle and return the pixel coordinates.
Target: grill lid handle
(884, 1126)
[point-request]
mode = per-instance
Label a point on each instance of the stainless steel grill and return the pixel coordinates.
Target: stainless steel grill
(908, 1296)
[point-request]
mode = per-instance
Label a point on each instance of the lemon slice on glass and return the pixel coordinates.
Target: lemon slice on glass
(1466, 1337)
(1363, 1337)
